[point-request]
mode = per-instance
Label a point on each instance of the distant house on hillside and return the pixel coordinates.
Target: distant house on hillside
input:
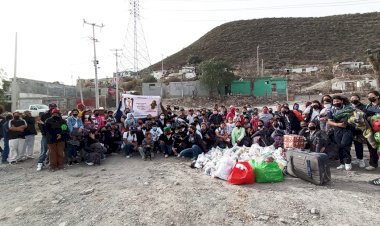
(300, 70)
(350, 65)
(354, 85)
(188, 71)
(158, 74)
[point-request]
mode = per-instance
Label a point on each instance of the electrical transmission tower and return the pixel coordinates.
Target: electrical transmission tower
(135, 54)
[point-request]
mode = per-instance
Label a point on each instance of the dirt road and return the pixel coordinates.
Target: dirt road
(168, 192)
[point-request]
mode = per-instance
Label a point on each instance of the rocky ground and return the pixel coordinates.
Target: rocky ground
(168, 192)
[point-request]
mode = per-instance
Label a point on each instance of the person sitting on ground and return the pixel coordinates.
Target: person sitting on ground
(237, 135)
(196, 144)
(179, 142)
(230, 114)
(146, 148)
(207, 136)
(262, 136)
(230, 125)
(292, 123)
(130, 120)
(130, 141)
(223, 140)
(316, 139)
(93, 149)
(166, 142)
(265, 116)
(155, 133)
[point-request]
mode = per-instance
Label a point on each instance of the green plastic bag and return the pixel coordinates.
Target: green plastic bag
(267, 172)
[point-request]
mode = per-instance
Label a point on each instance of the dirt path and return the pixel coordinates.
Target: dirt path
(168, 192)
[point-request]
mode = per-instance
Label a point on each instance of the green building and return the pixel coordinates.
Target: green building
(262, 87)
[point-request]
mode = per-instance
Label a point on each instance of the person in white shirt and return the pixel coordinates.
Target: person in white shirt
(156, 133)
(130, 142)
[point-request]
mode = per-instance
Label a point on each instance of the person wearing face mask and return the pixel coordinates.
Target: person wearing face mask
(238, 134)
(291, 122)
(57, 133)
(156, 133)
(130, 120)
(277, 134)
(262, 136)
(215, 118)
(166, 142)
(342, 131)
(195, 143)
(238, 116)
(231, 113)
(190, 116)
(265, 116)
(161, 122)
(373, 108)
(358, 142)
(75, 124)
(315, 138)
(30, 133)
(88, 123)
(16, 137)
(323, 114)
(312, 113)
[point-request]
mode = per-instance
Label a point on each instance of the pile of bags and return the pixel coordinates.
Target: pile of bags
(244, 165)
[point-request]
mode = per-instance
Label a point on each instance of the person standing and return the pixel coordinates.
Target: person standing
(41, 126)
(16, 138)
(57, 133)
(30, 133)
(5, 129)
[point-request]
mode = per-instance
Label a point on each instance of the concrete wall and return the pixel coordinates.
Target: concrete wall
(174, 89)
(45, 88)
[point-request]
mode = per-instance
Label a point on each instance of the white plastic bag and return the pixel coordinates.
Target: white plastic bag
(224, 168)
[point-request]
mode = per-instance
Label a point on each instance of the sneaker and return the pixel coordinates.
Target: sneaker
(90, 163)
(356, 161)
(361, 163)
(375, 182)
(128, 156)
(166, 156)
(39, 166)
(340, 167)
(12, 163)
(70, 163)
(348, 167)
(30, 157)
(370, 168)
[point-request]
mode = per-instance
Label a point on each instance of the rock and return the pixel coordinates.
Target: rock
(282, 220)
(63, 224)
(161, 174)
(146, 183)
(263, 218)
(103, 169)
(171, 223)
(18, 209)
(176, 183)
(3, 218)
(54, 182)
(37, 200)
(295, 216)
(88, 191)
(55, 201)
(315, 217)
(314, 211)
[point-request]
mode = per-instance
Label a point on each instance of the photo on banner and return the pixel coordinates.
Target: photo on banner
(141, 106)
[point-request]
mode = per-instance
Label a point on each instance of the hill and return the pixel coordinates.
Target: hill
(285, 41)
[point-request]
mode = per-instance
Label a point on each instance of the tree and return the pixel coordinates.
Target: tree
(215, 73)
(149, 79)
(194, 60)
(374, 59)
(3, 90)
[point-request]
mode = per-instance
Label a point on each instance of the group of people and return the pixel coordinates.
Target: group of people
(329, 125)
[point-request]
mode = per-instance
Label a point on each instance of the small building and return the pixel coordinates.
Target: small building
(354, 85)
(350, 65)
(300, 70)
(188, 72)
(270, 86)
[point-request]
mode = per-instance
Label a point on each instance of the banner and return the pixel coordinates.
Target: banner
(141, 106)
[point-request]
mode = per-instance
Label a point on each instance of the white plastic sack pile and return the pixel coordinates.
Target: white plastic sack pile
(219, 162)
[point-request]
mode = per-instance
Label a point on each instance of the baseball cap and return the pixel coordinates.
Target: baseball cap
(55, 110)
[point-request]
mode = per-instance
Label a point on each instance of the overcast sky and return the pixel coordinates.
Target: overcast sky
(54, 45)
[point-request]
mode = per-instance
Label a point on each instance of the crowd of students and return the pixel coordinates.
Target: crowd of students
(330, 125)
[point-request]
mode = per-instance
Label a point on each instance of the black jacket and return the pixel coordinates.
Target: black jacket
(53, 127)
(31, 129)
(44, 117)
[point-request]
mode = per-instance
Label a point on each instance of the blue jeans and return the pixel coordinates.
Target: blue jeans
(6, 150)
(71, 152)
(192, 152)
(44, 149)
(128, 149)
(167, 149)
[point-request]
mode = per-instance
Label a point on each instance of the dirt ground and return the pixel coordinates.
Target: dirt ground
(168, 192)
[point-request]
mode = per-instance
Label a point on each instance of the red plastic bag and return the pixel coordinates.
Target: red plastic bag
(242, 173)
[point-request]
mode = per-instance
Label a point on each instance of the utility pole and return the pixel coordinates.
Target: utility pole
(96, 62)
(117, 78)
(14, 81)
(80, 90)
(262, 67)
(258, 60)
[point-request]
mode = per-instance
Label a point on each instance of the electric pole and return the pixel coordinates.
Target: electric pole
(117, 78)
(14, 81)
(96, 62)
(262, 67)
(258, 61)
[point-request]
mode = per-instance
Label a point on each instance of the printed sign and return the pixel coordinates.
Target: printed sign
(141, 106)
